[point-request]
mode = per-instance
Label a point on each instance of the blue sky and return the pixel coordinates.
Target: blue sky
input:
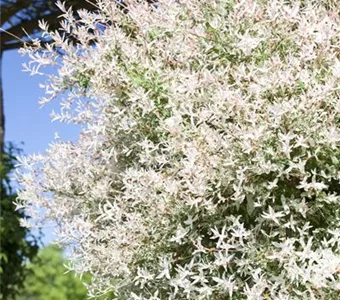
(24, 120)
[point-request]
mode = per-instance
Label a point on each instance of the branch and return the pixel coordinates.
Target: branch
(43, 10)
(29, 26)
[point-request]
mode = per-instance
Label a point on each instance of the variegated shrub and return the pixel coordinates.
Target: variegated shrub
(208, 164)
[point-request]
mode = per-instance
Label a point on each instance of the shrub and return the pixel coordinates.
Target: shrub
(208, 162)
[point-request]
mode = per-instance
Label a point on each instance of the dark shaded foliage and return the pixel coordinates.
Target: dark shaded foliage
(17, 243)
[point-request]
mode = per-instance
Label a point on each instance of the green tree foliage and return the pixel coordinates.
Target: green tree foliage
(49, 279)
(17, 243)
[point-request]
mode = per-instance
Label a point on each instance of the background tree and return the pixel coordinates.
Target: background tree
(49, 279)
(17, 243)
